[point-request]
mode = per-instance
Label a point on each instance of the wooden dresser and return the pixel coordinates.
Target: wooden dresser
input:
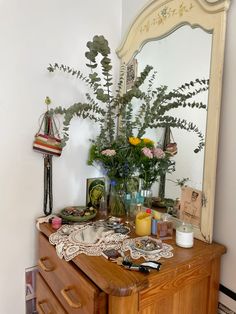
(186, 284)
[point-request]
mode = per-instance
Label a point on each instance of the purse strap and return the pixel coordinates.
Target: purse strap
(172, 140)
(41, 123)
(48, 197)
(52, 128)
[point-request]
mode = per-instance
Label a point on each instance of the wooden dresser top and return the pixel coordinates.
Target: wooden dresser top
(115, 280)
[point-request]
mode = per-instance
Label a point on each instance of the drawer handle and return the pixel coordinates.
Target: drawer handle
(72, 304)
(41, 306)
(43, 266)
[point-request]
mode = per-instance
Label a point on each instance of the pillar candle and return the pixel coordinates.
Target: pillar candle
(143, 224)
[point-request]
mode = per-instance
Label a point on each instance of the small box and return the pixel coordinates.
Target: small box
(164, 229)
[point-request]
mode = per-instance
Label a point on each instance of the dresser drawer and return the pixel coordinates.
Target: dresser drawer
(72, 288)
(46, 301)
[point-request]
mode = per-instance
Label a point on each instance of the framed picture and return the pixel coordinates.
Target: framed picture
(30, 287)
(95, 191)
(191, 205)
(131, 73)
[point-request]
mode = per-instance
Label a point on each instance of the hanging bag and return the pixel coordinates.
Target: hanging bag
(171, 147)
(48, 143)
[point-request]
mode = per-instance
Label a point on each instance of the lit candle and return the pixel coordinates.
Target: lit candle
(143, 224)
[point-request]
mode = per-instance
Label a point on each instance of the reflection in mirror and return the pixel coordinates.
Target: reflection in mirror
(181, 57)
(181, 54)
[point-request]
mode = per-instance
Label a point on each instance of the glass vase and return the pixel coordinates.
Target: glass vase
(146, 194)
(116, 200)
(122, 197)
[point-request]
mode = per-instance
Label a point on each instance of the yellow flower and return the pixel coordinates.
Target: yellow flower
(134, 140)
(147, 141)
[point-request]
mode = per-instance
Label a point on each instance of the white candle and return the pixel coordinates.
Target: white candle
(184, 235)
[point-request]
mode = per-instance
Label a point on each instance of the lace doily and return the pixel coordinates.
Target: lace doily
(71, 240)
(129, 245)
(43, 219)
(92, 239)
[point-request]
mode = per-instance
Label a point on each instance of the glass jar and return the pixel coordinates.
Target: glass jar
(103, 207)
(133, 205)
(146, 194)
(184, 235)
(165, 227)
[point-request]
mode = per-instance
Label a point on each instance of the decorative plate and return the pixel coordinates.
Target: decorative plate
(147, 245)
(165, 203)
(78, 213)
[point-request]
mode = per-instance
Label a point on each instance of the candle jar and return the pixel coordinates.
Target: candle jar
(184, 235)
(165, 227)
(154, 226)
(56, 223)
(143, 222)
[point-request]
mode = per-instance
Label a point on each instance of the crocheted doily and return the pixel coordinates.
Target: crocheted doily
(92, 239)
(135, 253)
(71, 240)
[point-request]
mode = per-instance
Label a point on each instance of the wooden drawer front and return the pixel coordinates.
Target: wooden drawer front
(73, 289)
(46, 301)
(169, 290)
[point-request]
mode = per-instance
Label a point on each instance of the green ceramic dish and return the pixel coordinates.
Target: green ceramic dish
(76, 217)
(166, 202)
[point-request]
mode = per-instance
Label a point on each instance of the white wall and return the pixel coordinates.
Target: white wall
(225, 205)
(33, 34)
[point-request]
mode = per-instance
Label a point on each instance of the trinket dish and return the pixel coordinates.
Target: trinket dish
(78, 213)
(147, 245)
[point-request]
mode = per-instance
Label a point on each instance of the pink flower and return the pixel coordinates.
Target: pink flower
(147, 152)
(158, 152)
(108, 152)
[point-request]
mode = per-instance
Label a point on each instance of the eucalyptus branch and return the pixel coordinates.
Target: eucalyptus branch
(82, 110)
(191, 84)
(105, 108)
(176, 104)
(169, 121)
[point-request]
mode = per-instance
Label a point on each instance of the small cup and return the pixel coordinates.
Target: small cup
(154, 226)
(56, 223)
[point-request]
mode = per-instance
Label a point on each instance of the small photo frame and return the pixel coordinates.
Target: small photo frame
(95, 190)
(131, 74)
(191, 205)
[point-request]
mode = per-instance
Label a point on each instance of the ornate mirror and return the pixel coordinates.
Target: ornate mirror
(184, 41)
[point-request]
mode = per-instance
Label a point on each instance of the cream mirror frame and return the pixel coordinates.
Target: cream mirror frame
(162, 17)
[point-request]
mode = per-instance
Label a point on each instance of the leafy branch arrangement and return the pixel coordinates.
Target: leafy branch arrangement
(106, 107)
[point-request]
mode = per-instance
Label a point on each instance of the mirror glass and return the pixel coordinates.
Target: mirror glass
(184, 41)
(180, 57)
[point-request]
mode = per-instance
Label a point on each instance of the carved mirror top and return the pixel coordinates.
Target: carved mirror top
(159, 19)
